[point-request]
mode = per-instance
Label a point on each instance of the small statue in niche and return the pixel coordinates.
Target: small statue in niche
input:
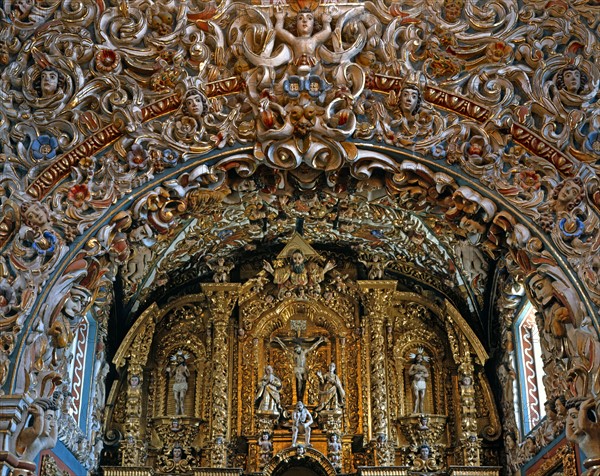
(267, 396)
(301, 421)
(419, 374)
(221, 269)
(334, 449)
(331, 392)
(265, 449)
(180, 373)
(40, 431)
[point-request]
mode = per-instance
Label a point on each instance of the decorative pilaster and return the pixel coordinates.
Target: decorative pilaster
(221, 298)
(469, 442)
(134, 353)
(376, 298)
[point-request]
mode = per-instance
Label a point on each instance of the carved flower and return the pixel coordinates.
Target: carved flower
(529, 180)
(571, 228)
(438, 151)
(46, 244)
(170, 156)
(44, 147)
(137, 157)
(87, 164)
(185, 128)
(79, 194)
(593, 143)
(557, 8)
(498, 51)
(107, 60)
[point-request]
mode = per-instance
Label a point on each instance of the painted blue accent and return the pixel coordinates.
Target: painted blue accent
(88, 375)
(524, 414)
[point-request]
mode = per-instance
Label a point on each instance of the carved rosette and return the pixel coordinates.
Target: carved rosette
(221, 299)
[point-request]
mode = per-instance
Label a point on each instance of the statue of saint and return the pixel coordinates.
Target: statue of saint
(301, 421)
(419, 374)
(298, 353)
(180, 374)
(331, 393)
(267, 395)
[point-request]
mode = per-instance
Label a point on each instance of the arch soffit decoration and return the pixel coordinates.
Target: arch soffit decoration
(446, 176)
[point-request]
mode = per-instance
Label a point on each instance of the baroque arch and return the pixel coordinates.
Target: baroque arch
(451, 146)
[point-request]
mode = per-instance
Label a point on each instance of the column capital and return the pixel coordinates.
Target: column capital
(377, 296)
(221, 297)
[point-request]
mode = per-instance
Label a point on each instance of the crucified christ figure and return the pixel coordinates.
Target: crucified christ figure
(297, 350)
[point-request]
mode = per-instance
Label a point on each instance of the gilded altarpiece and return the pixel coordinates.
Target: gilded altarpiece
(391, 378)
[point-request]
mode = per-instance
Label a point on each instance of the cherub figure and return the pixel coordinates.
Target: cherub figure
(194, 104)
(304, 43)
(375, 266)
(334, 448)
(266, 448)
(221, 269)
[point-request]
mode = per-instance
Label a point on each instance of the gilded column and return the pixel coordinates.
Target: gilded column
(221, 299)
(376, 298)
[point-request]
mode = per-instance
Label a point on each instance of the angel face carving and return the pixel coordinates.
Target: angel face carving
(410, 100)
(305, 23)
(571, 79)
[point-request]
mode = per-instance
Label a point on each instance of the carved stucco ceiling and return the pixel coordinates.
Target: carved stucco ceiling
(153, 135)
